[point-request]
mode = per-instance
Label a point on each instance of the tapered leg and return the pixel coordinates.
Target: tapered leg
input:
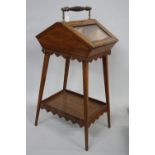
(85, 91)
(66, 73)
(106, 84)
(42, 83)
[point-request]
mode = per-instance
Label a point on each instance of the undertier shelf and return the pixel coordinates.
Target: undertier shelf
(70, 105)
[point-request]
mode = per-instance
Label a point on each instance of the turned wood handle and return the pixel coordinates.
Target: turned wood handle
(77, 9)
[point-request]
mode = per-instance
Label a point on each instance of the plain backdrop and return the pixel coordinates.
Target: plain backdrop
(54, 135)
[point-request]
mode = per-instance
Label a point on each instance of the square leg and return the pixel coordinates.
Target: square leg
(67, 63)
(42, 83)
(85, 91)
(106, 84)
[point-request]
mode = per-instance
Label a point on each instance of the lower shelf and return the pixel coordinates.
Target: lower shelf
(70, 105)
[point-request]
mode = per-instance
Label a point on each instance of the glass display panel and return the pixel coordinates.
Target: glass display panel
(92, 32)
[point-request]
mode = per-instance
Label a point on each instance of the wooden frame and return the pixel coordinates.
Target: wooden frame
(77, 46)
(57, 103)
(94, 44)
(63, 40)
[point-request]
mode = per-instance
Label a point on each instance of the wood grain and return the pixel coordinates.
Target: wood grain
(62, 39)
(70, 105)
(67, 63)
(42, 83)
(85, 92)
(106, 85)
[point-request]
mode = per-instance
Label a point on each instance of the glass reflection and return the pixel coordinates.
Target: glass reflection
(92, 32)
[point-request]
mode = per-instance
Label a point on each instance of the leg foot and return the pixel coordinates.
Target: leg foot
(86, 138)
(108, 117)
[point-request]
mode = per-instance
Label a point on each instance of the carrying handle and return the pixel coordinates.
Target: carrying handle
(77, 9)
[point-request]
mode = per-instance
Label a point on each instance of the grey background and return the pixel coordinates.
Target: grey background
(53, 135)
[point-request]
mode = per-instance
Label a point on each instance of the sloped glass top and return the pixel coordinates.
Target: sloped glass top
(92, 32)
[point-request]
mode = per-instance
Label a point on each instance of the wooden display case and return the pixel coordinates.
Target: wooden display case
(83, 40)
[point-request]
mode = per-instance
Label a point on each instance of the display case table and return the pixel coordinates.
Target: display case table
(85, 41)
